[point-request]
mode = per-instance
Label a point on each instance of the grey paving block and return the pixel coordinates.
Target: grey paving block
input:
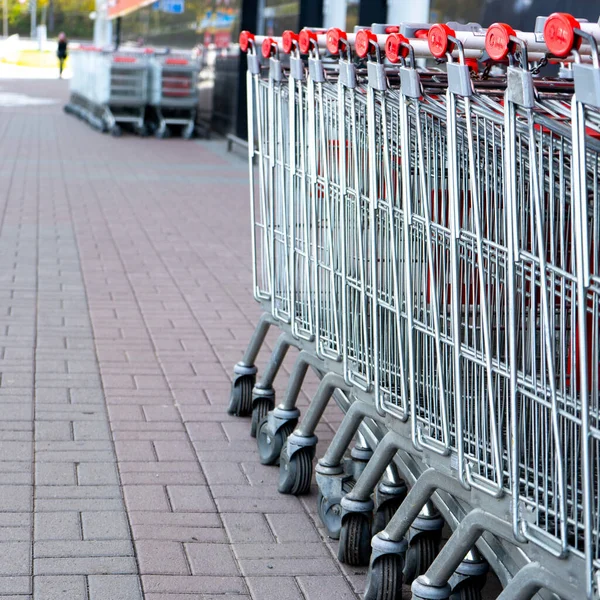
(244, 527)
(98, 492)
(105, 525)
(160, 557)
(91, 430)
(146, 497)
(50, 549)
(15, 534)
(59, 587)
(97, 474)
(114, 587)
(57, 526)
(274, 588)
(330, 587)
(55, 474)
(224, 473)
(16, 498)
(97, 565)
(193, 585)
(194, 498)
(78, 504)
(296, 527)
(211, 559)
(15, 558)
(16, 585)
(45, 430)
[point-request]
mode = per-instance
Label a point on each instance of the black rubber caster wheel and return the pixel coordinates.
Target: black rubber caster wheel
(295, 473)
(384, 580)
(330, 511)
(240, 400)
(269, 445)
(383, 515)
(143, 131)
(261, 407)
(469, 591)
(355, 540)
(116, 131)
(419, 556)
(162, 134)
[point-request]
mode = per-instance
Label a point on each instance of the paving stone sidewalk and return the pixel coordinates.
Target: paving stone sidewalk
(125, 300)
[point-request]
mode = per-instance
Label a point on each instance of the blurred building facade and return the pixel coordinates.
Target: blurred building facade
(212, 27)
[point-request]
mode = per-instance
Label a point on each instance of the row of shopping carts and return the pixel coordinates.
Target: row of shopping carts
(425, 224)
(148, 90)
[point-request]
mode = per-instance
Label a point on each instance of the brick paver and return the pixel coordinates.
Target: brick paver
(125, 300)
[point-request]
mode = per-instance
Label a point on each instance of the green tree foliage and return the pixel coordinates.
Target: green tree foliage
(70, 16)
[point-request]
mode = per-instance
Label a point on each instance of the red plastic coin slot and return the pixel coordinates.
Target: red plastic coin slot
(288, 37)
(437, 38)
(176, 61)
(267, 47)
(497, 40)
(124, 59)
(305, 38)
(392, 29)
(394, 48)
(559, 34)
(362, 42)
(334, 35)
(245, 37)
(421, 34)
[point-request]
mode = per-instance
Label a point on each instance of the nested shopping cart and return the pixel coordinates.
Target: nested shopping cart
(427, 238)
(173, 92)
(110, 88)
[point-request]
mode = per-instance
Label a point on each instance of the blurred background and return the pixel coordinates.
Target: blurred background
(211, 27)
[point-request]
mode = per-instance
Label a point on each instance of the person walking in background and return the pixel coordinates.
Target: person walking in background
(61, 52)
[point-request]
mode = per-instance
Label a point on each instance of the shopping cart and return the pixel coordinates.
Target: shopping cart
(438, 267)
(173, 93)
(110, 88)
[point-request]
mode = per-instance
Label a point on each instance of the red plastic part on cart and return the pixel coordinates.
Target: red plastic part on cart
(437, 38)
(559, 34)
(497, 41)
(305, 38)
(334, 35)
(288, 37)
(267, 47)
(362, 42)
(394, 48)
(245, 37)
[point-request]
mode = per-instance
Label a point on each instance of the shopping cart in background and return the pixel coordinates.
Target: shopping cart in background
(109, 89)
(173, 93)
(426, 236)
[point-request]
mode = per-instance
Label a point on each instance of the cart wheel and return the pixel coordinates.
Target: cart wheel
(383, 515)
(355, 540)
(470, 591)
(259, 412)
(270, 445)
(384, 580)
(295, 473)
(420, 554)
(188, 132)
(162, 133)
(143, 131)
(116, 131)
(240, 399)
(330, 511)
